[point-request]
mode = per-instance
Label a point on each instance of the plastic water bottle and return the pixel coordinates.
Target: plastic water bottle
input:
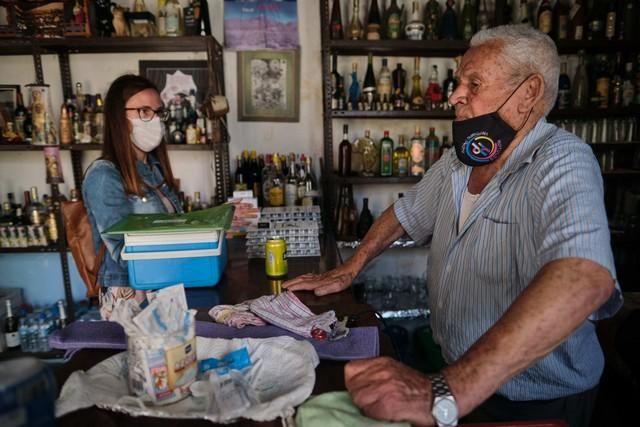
(33, 335)
(23, 332)
(43, 333)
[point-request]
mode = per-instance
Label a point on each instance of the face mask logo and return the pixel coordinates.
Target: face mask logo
(480, 147)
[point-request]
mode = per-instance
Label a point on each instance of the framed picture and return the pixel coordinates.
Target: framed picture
(76, 18)
(177, 77)
(8, 101)
(269, 85)
(7, 19)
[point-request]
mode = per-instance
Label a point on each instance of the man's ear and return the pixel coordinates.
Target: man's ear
(534, 93)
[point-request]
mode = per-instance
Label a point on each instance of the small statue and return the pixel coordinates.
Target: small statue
(104, 18)
(139, 6)
(78, 13)
(120, 22)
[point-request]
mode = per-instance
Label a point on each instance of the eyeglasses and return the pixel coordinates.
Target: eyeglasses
(147, 114)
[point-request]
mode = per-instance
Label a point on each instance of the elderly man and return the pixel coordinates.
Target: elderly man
(520, 262)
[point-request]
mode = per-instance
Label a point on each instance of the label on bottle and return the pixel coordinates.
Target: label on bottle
(544, 21)
(574, 9)
(12, 339)
(290, 194)
(276, 196)
(564, 98)
(611, 25)
(386, 167)
(373, 32)
(563, 25)
(627, 93)
(417, 157)
(384, 85)
(393, 26)
(579, 34)
(602, 89)
(403, 167)
(172, 24)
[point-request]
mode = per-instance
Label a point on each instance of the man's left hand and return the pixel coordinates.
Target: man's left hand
(388, 390)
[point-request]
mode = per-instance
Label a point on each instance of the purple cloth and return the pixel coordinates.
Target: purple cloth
(361, 343)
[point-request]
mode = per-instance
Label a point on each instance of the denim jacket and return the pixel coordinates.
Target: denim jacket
(107, 203)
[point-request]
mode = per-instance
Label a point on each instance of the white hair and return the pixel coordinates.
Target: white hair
(526, 51)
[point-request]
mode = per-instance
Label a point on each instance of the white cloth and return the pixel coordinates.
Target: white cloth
(282, 376)
(468, 201)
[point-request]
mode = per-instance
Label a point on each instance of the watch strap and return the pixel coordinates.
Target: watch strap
(439, 385)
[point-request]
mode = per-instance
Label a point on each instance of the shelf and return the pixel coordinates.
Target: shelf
(98, 147)
(24, 46)
(400, 244)
(599, 46)
(442, 48)
(615, 145)
(593, 113)
(622, 172)
(374, 179)
(444, 115)
(29, 250)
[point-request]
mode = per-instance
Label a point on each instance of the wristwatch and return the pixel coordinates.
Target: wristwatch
(443, 408)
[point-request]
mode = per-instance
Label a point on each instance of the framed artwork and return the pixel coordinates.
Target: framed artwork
(269, 85)
(77, 18)
(8, 101)
(177, 77)
(8, 26)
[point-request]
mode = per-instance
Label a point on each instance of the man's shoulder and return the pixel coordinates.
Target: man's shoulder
(564, 147)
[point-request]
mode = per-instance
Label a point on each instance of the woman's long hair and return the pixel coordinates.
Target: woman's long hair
(118, 147)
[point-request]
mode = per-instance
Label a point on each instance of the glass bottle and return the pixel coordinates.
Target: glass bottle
(417, 101)
(545, 17)
(369, 84)
(276, 190)
(356, 157)
(386, 155)
(66, 130)
(417, 154)
(335, 26)
(596, 22)
(483, 19)
(433, 95)
(432, 148)
(255, 177)
(302, 176)
(173, 18)
(399, 76)
(337, 102)
(414, 30)
(11, 337)
(239, 183)
(523, 12)
(19, 116)
(354, 89)
(564, 88)
(394, 20)
(627, 85)
(603, 83)
(401, 158)
(468, 20)
(311, 184)
(580, 91)
(432, 18)
(615, 100)
(355, 29)
(51, 227)
(62, 315)
(560, 20)
(291, 186)
(449, 26)
(577, 17)
(448, 86)
(370, 153)
(627, 22)
(36, 211)
(445, 146)
(344, 153)
(384, 84)
(98, 118)
(373, 22)
(365, 221)
(347, 214)
(610, 23)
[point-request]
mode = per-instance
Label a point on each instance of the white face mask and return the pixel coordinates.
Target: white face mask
(147, 135)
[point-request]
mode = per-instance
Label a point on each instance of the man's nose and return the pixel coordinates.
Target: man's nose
(458, 96)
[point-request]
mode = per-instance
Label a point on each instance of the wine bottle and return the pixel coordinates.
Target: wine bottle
(483, 19)
(615, 100)
(394, 20)
(560, 20)
(627, 85)
(610, 24)
(344, 153)
(417, 154)
(365, 221)
(603, 84)
(577, 18)
(400, 159)
(19, 116)
(448, 86)
(596, 23)
(239, 183)
(523, 12)
(415, 29)
(355, 30)
(384, 84)
(291, 186)
(337, 102)
(468, 20)
(580, 91)
(354, 89)
(417, 101)
(386, 155)
(545, 17)
(11, 337)
(335, 26)
(373, 22)
(369, 84)
(627, 20)
(564, 88)
(449, 26)
(432, 18)
(432, 148)
(399, 79)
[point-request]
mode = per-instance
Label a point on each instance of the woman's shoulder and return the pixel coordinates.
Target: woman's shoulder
(100, 171)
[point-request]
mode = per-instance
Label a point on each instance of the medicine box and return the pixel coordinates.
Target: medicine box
(158, 260)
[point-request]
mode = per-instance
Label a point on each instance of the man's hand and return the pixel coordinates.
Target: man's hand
(330, 282)
(388, 390)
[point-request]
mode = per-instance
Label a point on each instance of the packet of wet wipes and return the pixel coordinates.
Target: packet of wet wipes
(232, 394)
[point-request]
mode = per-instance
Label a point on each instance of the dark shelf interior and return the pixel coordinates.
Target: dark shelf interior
(422, 114)
(29, 250)
(593, 113)
(98, 147)
(374, 179)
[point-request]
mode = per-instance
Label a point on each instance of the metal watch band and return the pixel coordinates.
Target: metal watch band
(442, 396)
(439, 385)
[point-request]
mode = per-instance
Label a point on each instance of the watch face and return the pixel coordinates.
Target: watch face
(445, 411)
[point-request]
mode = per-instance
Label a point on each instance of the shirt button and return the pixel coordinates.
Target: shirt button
(448, 269)
(144, 200)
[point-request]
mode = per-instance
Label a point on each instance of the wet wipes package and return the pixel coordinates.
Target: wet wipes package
(161, 346)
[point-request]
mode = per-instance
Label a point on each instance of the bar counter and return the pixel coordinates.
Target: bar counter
(243, 279)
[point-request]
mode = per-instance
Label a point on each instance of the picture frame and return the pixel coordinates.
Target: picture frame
(8, 101)
(269, 85)
(8, 19)
(77, 18)
(176, 76)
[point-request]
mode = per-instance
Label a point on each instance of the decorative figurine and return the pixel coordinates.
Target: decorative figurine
(104, 18)
(78, 13)
(119, 22)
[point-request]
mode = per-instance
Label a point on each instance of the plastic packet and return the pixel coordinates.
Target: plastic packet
(237, 359)
(232, 394)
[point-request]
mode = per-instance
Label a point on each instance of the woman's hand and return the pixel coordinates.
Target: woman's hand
(330, 282)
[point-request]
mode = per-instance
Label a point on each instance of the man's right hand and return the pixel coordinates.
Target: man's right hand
(330, 282)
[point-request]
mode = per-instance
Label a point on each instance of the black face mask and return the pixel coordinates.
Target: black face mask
(481, 140)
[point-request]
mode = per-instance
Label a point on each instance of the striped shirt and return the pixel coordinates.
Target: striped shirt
(545, 203)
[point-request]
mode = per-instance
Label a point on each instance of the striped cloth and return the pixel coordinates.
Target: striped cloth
(545, 203)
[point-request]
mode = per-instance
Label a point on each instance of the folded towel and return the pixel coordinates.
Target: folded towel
(361, 343)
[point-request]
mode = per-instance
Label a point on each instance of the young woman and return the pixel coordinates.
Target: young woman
(133, 175)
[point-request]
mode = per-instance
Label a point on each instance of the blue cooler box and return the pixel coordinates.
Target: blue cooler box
(157, 260)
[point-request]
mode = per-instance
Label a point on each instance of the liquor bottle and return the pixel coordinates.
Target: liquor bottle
(11, 337)
(580, 91)
(603, 84)
(394, 20)
(483, 19)
(449, 26)
(311, 184)
(344, 153)
(347, 216)
(448, 86)
(7, 218)
(276, 190)
(417, 101)
(291, 186)
(627, 20)
(239, 183)
(560, 20)
(415, 29)
(51, 228)
(386, 155)
(523, 12)
(369, 84)
(627, 85)
(610, 23)
(596, 22)
(615, 100)
(36, 211)
(62, 315)
(19, 217)
(365, 221)
(545, 17)
(432, 148)
(503, 12)
(337, 102)
(255, 177)
(79, 97)
(66, 129)
(384, 84)
(19, 116)
(98, 117)
(370, 153)
(355, 29)
(11, 198)
(335, 26)
(373, 22)
(433, 95)
(177, 136)
(445, 146)
(468, 20)
(564, 88)
(577, 18)
(173, 18)
(400, 158)
(399, 76)
(416, 168)
(354, 89)
(432, 19)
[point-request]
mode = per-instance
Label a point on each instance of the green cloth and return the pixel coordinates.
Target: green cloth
(336, 409)
(203, 220)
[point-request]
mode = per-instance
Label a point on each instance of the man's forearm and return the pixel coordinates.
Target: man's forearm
(561, 296)
(383, 232)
